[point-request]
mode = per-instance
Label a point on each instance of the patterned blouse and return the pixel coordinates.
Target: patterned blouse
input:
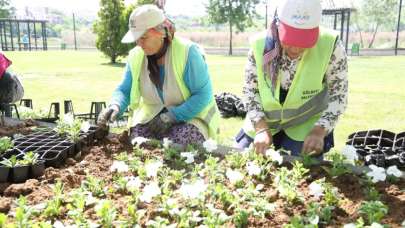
(335, 77)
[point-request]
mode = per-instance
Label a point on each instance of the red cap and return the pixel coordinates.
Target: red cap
(4, 64)
(303, 38)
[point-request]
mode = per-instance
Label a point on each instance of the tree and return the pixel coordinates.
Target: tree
(377, 13)
(110, 30)
(239, 13)
(5, 9)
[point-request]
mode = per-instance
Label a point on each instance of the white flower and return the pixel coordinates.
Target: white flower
(394, 171)
(350, 225)
(139, 140)
(189, 157)
(376, 225)
(376, 173)
(234, 176)
(314, 220)
(68, 118)
(133, 183)
(259, 187)
(166, 143)
(274, 156)
(149, 191)
(253, 169)
(316, 190)
(193, 190)
(210, 145)
(85, 127)
(350, 153)
(58, 224)
(152, 168)
(119, 166)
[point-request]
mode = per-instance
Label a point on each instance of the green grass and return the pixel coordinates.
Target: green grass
(376, 99)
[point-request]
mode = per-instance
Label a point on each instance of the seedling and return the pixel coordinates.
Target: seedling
(374, 211)
(106, 212)
(5, 144)
(11, 162)
(3, 220)
(23, 213)
(241, 218)
(94, 185)
(54, 206)
(29, 158)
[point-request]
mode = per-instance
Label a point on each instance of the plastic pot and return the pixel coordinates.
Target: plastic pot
(37, 169)
(19, 173)
(4, 173)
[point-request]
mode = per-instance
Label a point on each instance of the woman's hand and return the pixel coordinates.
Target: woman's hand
(262, 141)
(314, 142)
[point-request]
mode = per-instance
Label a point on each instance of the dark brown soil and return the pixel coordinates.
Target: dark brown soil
(98, 159)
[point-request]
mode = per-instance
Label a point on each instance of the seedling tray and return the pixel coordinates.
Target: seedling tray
(53, 150)
(379, 147)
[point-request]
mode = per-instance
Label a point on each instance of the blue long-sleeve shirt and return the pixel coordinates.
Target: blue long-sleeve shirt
(196, 78)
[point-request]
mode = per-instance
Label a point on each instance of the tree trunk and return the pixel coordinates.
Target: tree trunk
(373, 38)
(230, 37)
(113, 58)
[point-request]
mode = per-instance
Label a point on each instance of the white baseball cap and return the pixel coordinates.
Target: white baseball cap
(143, 18)
(299, 22)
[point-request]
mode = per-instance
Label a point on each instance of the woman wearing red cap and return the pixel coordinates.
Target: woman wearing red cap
(296, 83)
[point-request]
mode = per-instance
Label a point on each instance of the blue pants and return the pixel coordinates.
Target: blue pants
(281, 140)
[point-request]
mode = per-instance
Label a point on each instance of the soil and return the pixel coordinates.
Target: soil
(97, 160)
(23, 128)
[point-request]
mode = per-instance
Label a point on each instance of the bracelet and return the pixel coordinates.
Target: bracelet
(261, 130)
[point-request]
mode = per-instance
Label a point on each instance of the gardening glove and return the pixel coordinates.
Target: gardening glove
(11, 89)
(314, 142)
(108, 114)
(162, 122)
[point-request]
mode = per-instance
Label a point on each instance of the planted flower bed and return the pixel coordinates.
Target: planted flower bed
(115, 185)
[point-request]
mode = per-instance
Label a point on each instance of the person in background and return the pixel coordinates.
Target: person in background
(296, 83)
(166, 84)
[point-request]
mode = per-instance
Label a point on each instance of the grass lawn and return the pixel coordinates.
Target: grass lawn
(376, 100)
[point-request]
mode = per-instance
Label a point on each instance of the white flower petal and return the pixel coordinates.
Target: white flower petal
(210, 145)
(139, 140)
(119, 166)
(193, 190)
(350, 153)
(274, 156)
(234, 176)
(166, 143)
(253, 169)
(316, 190)
(394, 171)
(149, 191)
(189, 157)
(153, 168)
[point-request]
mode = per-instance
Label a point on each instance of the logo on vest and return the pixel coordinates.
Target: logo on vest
(307, 94)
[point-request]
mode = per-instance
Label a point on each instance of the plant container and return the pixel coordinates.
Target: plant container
(19, 173)
(4, 173)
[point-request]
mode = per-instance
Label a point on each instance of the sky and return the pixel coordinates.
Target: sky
(188, 7)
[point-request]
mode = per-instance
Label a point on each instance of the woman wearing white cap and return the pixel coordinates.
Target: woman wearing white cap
(296, 83)
(166, 84)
